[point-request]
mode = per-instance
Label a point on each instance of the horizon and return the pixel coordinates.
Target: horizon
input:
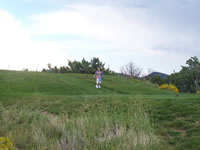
(160, 35)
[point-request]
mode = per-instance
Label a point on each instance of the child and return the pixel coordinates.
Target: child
(98, 75)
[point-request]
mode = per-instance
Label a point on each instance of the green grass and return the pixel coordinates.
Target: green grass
(69, 123)
(66, 111)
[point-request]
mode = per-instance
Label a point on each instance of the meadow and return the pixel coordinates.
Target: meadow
(40, 111)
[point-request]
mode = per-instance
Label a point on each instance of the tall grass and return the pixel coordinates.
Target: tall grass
(31, 128)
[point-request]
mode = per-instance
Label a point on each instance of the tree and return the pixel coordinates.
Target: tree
(44, 70)
(55, 69)
(194, 66)
(157, 80)
(25, 69)
(131, 70)
(75, 66)
(81, 67)
(64, 69)
(187, 80)
(85, 66)
(94, 63)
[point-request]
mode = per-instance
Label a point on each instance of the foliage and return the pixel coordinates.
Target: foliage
(137, 80)
(169, 87)
(173, 88)
(64, 69)
(198, 92)
(25, 69)
(83, 66)
(5, 144)
(94, 63)
(187, 80)
(44, 70)
(157, 80)
(164, 86)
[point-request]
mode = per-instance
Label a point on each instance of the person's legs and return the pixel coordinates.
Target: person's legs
(97, 83)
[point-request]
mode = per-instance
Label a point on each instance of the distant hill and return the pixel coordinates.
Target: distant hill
(162, 75)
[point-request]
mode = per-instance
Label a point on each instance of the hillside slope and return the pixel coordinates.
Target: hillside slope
(14, 83)
(52, 109)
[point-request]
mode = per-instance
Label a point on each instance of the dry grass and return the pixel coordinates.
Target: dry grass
(29, 128)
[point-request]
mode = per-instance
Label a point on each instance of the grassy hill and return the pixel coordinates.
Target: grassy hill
(66, 111)
(26, 83)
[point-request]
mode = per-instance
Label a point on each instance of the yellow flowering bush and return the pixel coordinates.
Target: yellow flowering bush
(5, 144)
(169, 87)
(198, 92)
(176, 90)
(164, 86)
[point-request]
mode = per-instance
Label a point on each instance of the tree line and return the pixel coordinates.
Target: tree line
(82, 66)
(186, 80)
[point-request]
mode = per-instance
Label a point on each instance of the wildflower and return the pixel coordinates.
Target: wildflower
(164, 86)
(5, 144)
(198, 92)
(169, 87)
(137, 80)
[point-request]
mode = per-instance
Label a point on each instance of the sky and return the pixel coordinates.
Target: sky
(156, 34)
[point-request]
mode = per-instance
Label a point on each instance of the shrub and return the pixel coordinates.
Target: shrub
(169, 87)
(173, 88)
(164, 86)
(198, 92)
(137, 80)
(5, 144)
(157, 80)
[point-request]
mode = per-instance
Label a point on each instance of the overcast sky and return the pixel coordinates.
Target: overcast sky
(157, 34)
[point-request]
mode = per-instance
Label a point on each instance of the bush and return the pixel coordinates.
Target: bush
(164, 86)
(5, 144)
(198, 92)
(137, 80)
(83, 66)
(157, 80)
(169, 87)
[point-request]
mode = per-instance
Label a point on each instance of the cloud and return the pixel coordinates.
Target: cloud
(128, 28)
(133, 33)
(18, 51)
(12, 36)
(153, 34)
(102, 23)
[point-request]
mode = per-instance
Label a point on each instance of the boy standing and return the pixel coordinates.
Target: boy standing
(98, 74)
